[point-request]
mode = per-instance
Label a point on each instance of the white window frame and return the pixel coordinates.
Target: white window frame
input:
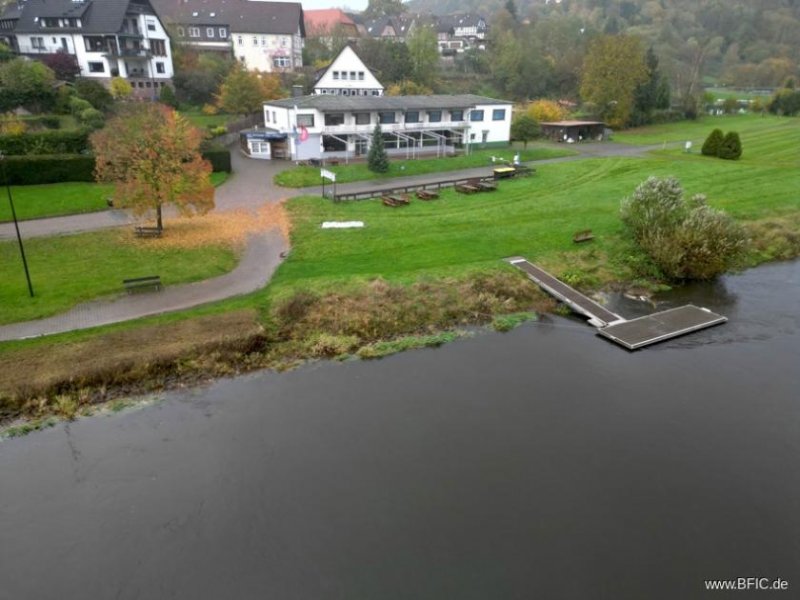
(223, 33)
(181, 32)
(194, 32)
(210, 32)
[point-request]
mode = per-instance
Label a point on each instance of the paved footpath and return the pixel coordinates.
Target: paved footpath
(249, 187)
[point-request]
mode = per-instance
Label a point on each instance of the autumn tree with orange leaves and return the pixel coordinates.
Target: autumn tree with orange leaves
(152, 156)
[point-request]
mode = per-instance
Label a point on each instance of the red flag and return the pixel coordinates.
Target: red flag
(303, 133)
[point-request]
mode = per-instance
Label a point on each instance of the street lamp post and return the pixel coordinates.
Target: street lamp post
(16, 224)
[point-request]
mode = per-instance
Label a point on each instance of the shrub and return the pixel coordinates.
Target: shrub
(95, 93)
(218, 130)
(52, 168)
(121, 88)
(11, 124)
(91, 117)
(167, 96)
(78, 105)
(712, 143)
(685, 239)
(731, 147)
(218, 156)
(46, 142)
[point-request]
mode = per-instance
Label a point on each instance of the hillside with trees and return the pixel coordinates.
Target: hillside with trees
(738, 43)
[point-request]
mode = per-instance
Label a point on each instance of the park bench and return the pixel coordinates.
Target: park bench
(395, 200)
(470, 187)
(141, 283)
(427, 195)
(147, 232)
(583, 236)
(487, 186)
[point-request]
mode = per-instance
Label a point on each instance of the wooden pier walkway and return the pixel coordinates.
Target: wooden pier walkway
(597, 313)
(633, 334)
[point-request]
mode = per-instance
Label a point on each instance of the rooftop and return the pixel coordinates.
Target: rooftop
(242, 16)
(402, 103)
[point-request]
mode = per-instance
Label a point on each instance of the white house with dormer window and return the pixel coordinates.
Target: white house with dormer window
(347, 75)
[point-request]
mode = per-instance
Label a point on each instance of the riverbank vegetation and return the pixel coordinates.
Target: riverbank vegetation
(303, 176)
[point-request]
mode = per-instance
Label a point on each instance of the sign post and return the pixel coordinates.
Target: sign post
(330, 176)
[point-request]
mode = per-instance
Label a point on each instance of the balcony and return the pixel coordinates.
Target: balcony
(390, 127)
(127, 53)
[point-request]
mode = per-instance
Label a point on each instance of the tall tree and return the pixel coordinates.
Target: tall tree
(243, 92)
(152, 156)
(390, 61)
(524, 128)
(384, 8)
(377, 160)
(424, 52)
(613, 69)
(652, 94)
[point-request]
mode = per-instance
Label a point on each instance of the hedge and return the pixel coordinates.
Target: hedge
(218, 156)
(46, 142)
(52, 168)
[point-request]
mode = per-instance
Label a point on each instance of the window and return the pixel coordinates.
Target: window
(266, 116)
(361, 75)
(412, 116)
(282, 62)
(255, 40)
(151, 25)
(334, 119)
(456, 115)
(97, 67)
(181, 32)
(376, 92)
(476, 115)
(499, 114)
(263, 41)
(386, 117)
(223, 33)
(305, 120)
(434, 116)
(194, 32)
(344, 75)
(209, 32)
(362, 118)
(336, 74)
(274, 118)
(160, 67)
(158, 47)
(37, 42)
(352, 75)
(241, 41)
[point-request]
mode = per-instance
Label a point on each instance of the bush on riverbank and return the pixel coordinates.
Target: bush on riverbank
(687, 239)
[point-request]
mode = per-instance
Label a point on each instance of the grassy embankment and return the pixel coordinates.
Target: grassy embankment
(414, 271)
(299, 177)
(59, 199)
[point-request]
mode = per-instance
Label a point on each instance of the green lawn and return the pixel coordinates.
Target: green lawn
(57, 199)
(309, 176)
(203, 121)
(776, 135)
(534, 217)
(725, 93)
(54, 199)
(67, 270)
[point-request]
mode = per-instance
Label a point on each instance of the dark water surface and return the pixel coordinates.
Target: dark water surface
(544, 463)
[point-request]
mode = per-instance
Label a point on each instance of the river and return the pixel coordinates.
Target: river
(542, 463)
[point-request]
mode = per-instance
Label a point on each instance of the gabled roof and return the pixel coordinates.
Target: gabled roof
(348, 49)
(97, 16)
(447, 23)
(326, 19)
(400, 25)
(402, 103)
(241, 16)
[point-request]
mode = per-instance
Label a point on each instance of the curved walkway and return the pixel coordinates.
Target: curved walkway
(250, 187)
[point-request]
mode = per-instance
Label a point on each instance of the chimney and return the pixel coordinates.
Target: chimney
(297, 91)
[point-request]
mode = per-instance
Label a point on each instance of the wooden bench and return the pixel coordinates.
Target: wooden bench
(583, 236)
(141, 283)
(487, 186)
(395, 200)
(470, 187)
(147, 232)
(427, 195)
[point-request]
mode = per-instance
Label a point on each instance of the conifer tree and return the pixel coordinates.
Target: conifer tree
(712, 143)
(377, 160)
(731, 147)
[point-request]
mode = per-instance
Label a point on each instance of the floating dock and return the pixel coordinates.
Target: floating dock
(631, 334)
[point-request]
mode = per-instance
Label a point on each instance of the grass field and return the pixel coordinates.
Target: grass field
(309, 176)
(70, 198)
(763, 137)
(203, 121)
(67, 270)
(533, 217)
(725, 93)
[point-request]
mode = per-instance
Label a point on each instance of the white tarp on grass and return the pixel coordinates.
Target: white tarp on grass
(341, 224)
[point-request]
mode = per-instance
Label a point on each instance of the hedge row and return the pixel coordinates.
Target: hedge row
(46, 142)
(218, 156)
(52, 168)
